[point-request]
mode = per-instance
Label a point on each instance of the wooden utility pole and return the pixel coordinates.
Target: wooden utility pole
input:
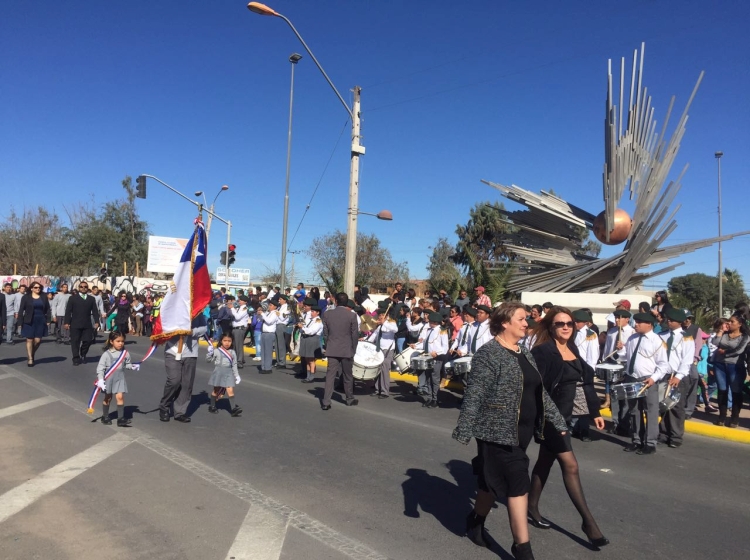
(124, 268)
(36, 270)
(137, 270)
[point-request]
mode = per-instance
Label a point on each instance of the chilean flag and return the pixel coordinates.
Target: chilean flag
(192, 293)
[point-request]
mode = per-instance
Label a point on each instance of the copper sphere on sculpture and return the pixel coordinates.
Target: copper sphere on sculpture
(620, 233)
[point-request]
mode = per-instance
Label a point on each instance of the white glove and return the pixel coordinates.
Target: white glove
(135, 367)
(210, 349)
(237, 379)
(101, 384)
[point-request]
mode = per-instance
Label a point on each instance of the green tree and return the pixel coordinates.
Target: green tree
(443, 272)
(29, 239)
(374, 266)
(699, 292)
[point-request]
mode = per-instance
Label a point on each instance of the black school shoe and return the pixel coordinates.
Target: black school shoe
(646, 450)
(182, 418)
(123, 422)
(236, 411)
(106, 420)
(213, 410)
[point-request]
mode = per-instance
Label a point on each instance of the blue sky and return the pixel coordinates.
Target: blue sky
(197, 93)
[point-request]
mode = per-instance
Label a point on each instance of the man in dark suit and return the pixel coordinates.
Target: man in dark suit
(81, 314)
(341, 334)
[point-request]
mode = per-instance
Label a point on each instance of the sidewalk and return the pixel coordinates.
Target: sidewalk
(702, 423)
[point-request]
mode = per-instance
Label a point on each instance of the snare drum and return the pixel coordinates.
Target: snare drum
(629, 390)
(668, 397)
(403, 359)
(422, 363)
(610, 372)
(462, 365)
(367, 360)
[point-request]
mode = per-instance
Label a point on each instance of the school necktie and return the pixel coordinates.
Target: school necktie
(474, 340)
(631, 365)
(463, 338)
(670, 340)
(427, 341)
(380, 335)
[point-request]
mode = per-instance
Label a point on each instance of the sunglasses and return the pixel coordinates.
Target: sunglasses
(562, 324)
(36, 287)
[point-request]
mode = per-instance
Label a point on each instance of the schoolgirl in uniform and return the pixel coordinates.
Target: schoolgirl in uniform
(225, 375)
(110, 373)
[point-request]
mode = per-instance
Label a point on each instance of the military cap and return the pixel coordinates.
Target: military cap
(644, 318)
(620, 313)
(675, 314)
(581, 316)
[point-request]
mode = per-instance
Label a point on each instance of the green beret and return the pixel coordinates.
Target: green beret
(435, 317)
(309, 301)
(620, 313)
(384, 304)
(581, 316)
(644, 318)
(484, 308)
(282, 296)
(350, 304)
(470, 311)
(674, 314)
(315, 307)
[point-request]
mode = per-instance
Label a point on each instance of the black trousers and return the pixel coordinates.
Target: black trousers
(80, 341)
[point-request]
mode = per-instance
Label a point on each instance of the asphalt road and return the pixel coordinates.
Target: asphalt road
(287, 480)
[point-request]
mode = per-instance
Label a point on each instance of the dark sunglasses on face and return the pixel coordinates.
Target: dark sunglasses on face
(561, 324)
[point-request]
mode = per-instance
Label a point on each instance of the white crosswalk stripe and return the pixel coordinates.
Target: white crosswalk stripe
(29, 492)
(24, 406)
(261, 535)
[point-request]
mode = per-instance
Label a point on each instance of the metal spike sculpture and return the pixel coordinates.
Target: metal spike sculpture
(543, 239)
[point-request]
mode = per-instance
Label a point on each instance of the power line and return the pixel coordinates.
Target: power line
(319, 181)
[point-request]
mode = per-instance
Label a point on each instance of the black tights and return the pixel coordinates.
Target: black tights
(569, 467)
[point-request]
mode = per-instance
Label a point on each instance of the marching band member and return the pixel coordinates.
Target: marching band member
(614, 346)
(283, 319)
(435, 344)
(646, 359)
(384, 339)
(469, 317)
(240, 317)
(309, 347)
(268, 334)
(480, 334)
(680, 352)
(416, 326)
(587, 342)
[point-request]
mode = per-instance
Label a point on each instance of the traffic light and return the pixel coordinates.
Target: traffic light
(103, 275)
(108, 256)
(223, 258)
(232, 253)
(140, 186)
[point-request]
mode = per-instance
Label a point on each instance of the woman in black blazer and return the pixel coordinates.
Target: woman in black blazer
(32, 315)
(563, 370)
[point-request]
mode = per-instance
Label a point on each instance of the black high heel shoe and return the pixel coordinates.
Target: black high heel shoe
(598, 543)
(541, 523)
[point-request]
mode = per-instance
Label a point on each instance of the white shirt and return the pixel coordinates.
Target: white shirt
(651, 360)
(588, 346)
(270, 318)
(241, 316)
(437, 340)
(415, 329)
(313, 326)
(613, 336)
(284, 314)
(388, 338)
(11, 307)
(462, 336)
(681, 355)
(481, 333)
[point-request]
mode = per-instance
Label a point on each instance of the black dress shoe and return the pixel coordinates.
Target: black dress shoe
(383, 396)
(76, 361)
(325, 407)
(236, 411)
(353, 402)
(540, 524)
(630, 448)
(674, 444)
(182, 418)
(106, 420)
(598, 543)
(213, 410)
(164, 416)
(123, 422)
(646, 450)
(308, 380)
(433, 404)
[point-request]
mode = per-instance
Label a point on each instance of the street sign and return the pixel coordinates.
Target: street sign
(237, 276)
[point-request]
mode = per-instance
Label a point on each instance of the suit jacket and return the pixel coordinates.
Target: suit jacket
(26, 309)
(81, 313)
(3, 312)
(341, 332)
(549, 362)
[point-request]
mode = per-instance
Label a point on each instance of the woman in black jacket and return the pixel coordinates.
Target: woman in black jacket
(33, 317)
(123, 306)
(562, 371)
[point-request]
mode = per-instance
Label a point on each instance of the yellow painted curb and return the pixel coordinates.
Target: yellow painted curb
(709, 430)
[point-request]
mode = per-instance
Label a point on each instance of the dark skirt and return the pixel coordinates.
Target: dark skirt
(554, 442)
(502, 470)
(309, 346)
(37, 328)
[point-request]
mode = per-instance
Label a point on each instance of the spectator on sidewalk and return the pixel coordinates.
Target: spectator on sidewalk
(59, 304)
(11, 311)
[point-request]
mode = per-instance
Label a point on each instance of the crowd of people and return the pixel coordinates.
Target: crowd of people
(527, 371)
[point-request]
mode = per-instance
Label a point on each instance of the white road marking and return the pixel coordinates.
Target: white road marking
(27, 493)
(7, 375)
(261, 535)
(24, 406)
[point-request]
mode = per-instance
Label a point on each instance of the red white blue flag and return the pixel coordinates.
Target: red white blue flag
(191, 292)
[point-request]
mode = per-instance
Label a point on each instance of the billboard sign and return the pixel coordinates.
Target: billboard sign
(164, 253)
(237, 276)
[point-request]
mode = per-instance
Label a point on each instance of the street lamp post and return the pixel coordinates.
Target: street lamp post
(294, 59)
(210, 212)
(356, 150)
(718, 155)
(211, 208)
